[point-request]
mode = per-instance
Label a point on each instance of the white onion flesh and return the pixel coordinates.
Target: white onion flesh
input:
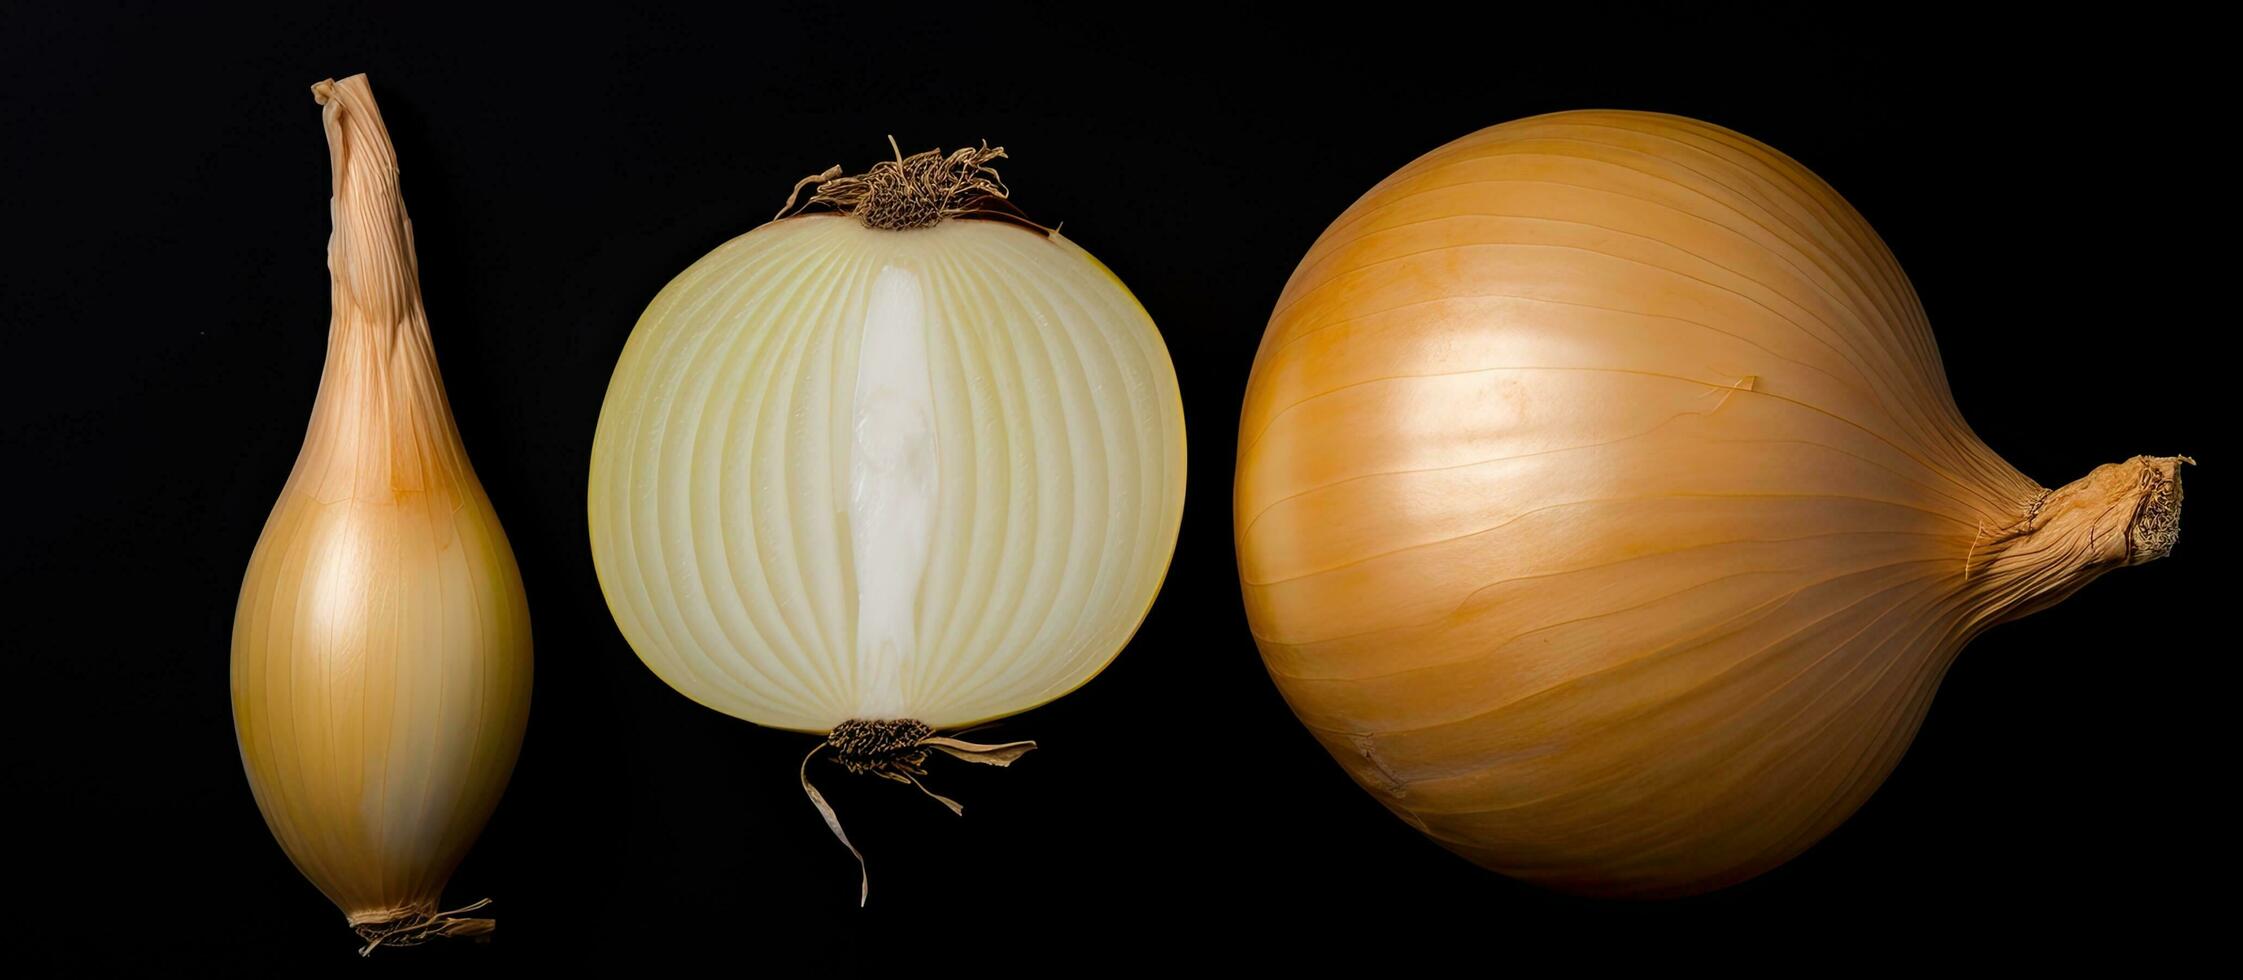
(844, 473)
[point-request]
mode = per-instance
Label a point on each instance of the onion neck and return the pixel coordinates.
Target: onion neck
(2119, 514)
(381, 422)
(370, 253)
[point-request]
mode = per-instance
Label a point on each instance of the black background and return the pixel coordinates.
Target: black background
(165, 188)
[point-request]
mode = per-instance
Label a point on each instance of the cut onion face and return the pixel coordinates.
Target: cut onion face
(845, 473)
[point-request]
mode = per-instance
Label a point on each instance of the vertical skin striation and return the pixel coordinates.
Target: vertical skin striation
(381, 649)
(855, 474)
(1601, 505)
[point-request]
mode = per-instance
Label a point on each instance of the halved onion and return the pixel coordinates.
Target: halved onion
(875, 481)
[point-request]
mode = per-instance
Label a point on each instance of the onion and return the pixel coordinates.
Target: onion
(381, 650)
(1602, 507)
(873, 473)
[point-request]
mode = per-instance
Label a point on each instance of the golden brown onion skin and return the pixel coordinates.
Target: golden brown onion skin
(381, 648)
(1602, 507)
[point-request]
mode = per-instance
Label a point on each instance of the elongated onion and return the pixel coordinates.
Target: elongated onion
(381, 651)
(880, 472)
(1602, 508)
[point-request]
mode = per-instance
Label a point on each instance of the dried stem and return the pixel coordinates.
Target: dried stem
(2119, 514)
(918, 191)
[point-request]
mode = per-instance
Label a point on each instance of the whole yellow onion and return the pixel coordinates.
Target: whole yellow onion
(381, 647)
(1602, 507)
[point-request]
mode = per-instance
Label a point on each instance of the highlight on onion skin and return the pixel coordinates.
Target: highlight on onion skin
(381, 648)
(1601, 505)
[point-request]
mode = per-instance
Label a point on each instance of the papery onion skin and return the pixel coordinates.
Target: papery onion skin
(1602, 507)
(724, 528)
(381, 648)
